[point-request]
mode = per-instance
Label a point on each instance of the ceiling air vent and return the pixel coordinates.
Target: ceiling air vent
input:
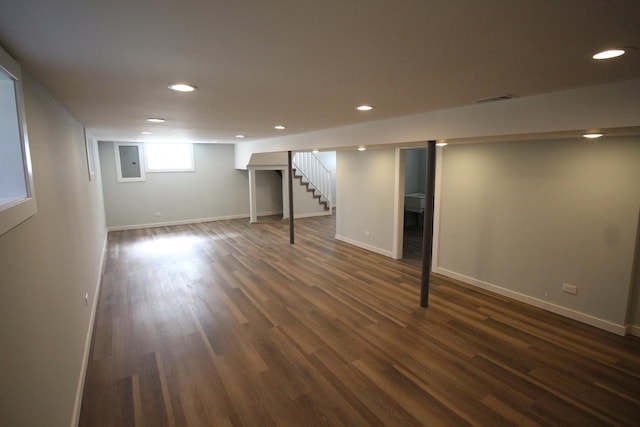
(495, 99)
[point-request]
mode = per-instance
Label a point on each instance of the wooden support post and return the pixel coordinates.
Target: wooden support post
(427, 238)
(290, 174)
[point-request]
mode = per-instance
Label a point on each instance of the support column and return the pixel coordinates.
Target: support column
(427, 238)
(285, 195)
(253, 208)
(290, 180)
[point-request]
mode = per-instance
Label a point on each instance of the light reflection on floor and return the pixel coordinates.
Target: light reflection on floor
(174, 245)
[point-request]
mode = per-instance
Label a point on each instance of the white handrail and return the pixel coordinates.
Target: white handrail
(318, 176)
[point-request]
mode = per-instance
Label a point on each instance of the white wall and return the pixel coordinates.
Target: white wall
(366, 198)
(215, 190)
(47, 265)
(606, 106)
(529, 216)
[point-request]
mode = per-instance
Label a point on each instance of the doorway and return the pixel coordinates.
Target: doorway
(414, 204)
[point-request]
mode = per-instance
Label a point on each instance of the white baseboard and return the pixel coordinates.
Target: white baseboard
(308, 215)
(87, 343)
(364, 246)
(187, 221)
(553, 308)
(633, 330)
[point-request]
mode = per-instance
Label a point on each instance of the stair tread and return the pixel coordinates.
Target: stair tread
(311, 189)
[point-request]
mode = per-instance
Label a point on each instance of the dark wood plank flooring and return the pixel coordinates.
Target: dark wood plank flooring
(412, 246)
(225, 323)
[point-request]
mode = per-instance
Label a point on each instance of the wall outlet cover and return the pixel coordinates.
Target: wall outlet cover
(570, 289)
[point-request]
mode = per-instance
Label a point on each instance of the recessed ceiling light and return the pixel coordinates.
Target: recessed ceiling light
(214, 142)
(146, 132)
(315, 151)
(156, 120)
(442, 144)
(364, 107)
(361, 148)
(279, 127)
(592, 135)
(240, 136)
(608, 54)
(182, 87)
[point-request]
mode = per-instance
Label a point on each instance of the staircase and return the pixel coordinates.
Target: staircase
(314, 176)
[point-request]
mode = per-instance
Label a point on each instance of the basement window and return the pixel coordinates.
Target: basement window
(17, 199)
(169, 157)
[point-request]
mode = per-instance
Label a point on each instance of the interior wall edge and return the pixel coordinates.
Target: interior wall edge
(633, 304)
(370, 248)
(87, 346)
(633, 330)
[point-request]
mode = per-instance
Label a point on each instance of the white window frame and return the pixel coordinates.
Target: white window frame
(16, 212)
(146, 161)
(116, 152)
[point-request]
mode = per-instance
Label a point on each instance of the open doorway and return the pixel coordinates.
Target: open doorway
(414, 204)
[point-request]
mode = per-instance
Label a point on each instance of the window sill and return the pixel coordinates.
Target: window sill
(16, 213)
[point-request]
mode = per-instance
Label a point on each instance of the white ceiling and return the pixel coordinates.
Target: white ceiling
(305, 63)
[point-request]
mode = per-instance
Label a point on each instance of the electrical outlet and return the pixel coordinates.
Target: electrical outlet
(367, 233)
(86, 298)
(570, 289)
(158, 213)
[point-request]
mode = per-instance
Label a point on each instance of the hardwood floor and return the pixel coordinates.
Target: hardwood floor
(412, 246)
(225, 323)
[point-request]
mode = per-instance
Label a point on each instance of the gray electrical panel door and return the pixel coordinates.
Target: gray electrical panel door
(130, 161)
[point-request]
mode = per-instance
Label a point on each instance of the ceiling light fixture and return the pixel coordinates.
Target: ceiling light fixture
(315, 151)
(146, 132)
(362, 148)
(364, 107)
(592, 135)
(240, 136)
(279, 127)
(156, 120)
(610, 53)
(442, 144)
(182, 87)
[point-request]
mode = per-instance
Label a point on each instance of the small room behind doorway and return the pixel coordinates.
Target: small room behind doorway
(414, 190)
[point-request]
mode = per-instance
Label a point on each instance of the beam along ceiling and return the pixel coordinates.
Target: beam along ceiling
(305, 64)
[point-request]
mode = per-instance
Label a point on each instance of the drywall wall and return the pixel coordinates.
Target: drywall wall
(264, 160)
(48, 263)
(597, 107)
(366, 198)
(216, 190)
(530, 216)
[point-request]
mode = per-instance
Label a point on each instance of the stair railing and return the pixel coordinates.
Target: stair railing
(318, 176)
